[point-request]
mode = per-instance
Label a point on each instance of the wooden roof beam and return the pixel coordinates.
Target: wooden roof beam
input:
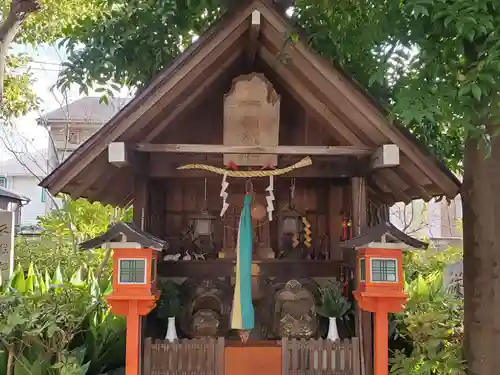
(221, 65)
(393, 187)
(253, 42)
(354, 100)
(182, 72)
(274, 150)
(165, 166)
(224, 63)
(303, 95)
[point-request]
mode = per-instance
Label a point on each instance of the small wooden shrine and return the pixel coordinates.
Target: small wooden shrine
(253, 159)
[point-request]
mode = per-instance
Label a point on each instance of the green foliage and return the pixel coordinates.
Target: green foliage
(52, 325)
(40, 26)
(432, 323)
(132, 40)
(426, 263)
(53, 319)
(333, 304)
(19, 98)
(63, 229)
(170, 302)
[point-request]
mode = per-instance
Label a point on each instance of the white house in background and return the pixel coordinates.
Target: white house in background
(68, 127)
(21, 175)
(440, 221)
(72, 125)
(11, 201)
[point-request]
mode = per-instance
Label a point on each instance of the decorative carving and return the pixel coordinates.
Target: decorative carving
(293, 310)
(251, 118)
(207, 311)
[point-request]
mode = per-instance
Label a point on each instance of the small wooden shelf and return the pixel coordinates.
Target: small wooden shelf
(271, 267)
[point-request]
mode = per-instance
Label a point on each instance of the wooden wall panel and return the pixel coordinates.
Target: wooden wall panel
(185, 198)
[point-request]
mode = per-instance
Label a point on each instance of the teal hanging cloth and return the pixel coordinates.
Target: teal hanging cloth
(242, 317)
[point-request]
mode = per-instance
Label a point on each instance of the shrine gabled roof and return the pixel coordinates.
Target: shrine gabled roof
(131, 231)
(387, 229)
(325, 91)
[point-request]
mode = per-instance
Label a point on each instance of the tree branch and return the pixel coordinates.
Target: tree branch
(19, 10)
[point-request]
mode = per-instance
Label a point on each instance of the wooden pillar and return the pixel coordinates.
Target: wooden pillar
(141, 191)
(141, 208)
(364, 326)
(133, 351)
(381, 343)
(335, 220)
(157, 207)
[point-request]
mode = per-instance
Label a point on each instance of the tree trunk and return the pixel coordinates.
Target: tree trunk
(481, 215)
(18, 11)
(10, 359)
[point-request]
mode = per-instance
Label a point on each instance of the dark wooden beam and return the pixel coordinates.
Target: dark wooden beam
(90, 176)
(163, 166)
(335, 193)
(253, 41)
(225, 268)
(278, 150)
(364, 327)
(222, 65)
(141, 199)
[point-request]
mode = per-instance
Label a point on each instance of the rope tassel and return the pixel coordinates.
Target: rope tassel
(249, 174)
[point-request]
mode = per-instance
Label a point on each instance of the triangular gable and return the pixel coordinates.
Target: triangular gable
(166, 86)
(326, 92)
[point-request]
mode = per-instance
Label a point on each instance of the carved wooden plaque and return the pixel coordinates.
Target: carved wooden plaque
(251, 118)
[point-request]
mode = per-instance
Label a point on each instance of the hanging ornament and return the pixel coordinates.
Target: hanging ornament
(307, 232)
(224, 195)
(295, 240)
(270, 198)
(344, 229)
(258, 211)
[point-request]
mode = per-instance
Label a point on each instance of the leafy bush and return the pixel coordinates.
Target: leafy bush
(63, 230)
(170, 302)
(431, 325)
(50, 324)
(333, 303)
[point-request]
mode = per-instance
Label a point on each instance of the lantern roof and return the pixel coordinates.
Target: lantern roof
(132, 233)
(386, 232)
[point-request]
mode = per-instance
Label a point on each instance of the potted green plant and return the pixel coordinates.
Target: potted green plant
(333, 305)
(169, 305)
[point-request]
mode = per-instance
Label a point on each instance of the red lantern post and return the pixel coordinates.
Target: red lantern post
(134, 280)
(380, 283)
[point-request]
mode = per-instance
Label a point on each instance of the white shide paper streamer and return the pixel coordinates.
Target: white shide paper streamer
(270, 198)
(224, 195)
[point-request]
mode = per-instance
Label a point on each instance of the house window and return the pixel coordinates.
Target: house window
(3, 182)
(384, 270)
(44, 196)
(74, 137)
(132, 271)
(362, 269)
